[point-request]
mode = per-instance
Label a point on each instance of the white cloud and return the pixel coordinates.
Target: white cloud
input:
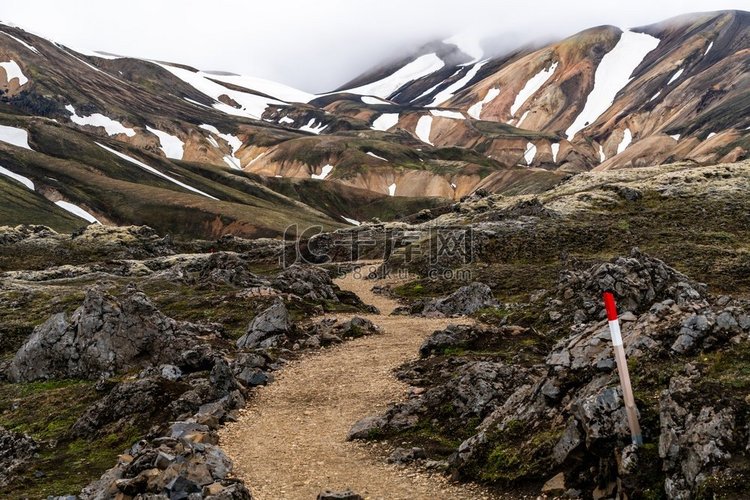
(317, 46)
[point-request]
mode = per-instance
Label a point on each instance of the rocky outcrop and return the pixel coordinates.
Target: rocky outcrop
(15, 451)
(565, 414)
(185, 464)
(464, 301)
(104, 336)
(266, 328)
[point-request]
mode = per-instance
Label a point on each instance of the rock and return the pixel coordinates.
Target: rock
(272, 321)
(170, 372)
(555, 485)
(452, 336)
(103, 337)
(406, 455)
(464, 301)
(693, 329)
(15, 451)
(339, 495)
(365, 428)
(308, 282)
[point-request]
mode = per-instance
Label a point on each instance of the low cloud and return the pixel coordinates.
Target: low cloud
(317, 46)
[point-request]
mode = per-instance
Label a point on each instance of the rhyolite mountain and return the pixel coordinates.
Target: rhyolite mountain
(94, 137)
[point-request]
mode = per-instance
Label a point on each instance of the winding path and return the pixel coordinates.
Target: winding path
(290, 442)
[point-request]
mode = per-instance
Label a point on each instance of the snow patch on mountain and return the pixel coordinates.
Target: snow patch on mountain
(523, 117)
(368, 99)
(154, 171)
(20, 178)
(385, 121)
(676, 137)
(370, 153)
(476, 109)
(16, 136)
(424, 127)
(251, 105)
(13, 70)
(530, 153)
(327, 169)
(172, 146)
(112, 127)
(285, 119)
(392, 189)
(311, 127)
(602, 156)
(77, 211)
(708, 49)
(30, 47)
(351, 221)
(532, 85)
(385, 87)
(555, 149)
(627, 138)
(455, 115)
(676, 76)
(449, 91)
(612, 74)
(234, 142)
(274, 89)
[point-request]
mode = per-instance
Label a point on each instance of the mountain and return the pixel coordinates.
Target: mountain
(96, 137)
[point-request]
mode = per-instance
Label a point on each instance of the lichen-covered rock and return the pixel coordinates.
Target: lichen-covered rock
(15, 450)
(464, 301)
(103, 337)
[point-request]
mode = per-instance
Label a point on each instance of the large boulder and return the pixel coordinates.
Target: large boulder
(466, 300)
(103, 337)
(273, 321)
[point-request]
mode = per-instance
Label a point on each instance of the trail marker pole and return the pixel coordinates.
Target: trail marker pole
(622, 368)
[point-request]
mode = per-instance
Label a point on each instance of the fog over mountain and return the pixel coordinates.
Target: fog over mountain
(317, 46)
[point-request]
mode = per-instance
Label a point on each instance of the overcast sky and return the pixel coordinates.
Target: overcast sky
(317, 45)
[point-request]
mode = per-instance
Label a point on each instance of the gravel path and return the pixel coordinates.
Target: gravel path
(290, 442)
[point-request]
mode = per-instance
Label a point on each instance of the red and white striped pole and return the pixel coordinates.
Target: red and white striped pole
(622, 368)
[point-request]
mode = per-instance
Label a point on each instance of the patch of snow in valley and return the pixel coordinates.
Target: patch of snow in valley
(252, 105)
(468, 44)
(530, 153)
(711, 135)
(392, 189)
(612, 74)
(351, 221)
(627, 138)
(13, 70)
(476, 109)
(154, 171)
(376, 156)
(602, 156)
(555, 149)
(676, 75)
(385, 121)
(31, 48)
(77, 211)
(172, 146)
(655, 96)
(327, 169)
(424, 127)
(709, 47)
(455, 115)
(311, 127)
(16, 136)
(112, 127)
(368, 99)
(258, 158)
(421, 66)
(535, 83)
(448, 92)
(286, 119)
(20, 178)
(676, 137)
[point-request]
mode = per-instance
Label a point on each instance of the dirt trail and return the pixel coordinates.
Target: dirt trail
(290, 442)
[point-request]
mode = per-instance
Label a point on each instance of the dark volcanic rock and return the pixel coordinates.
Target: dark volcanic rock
(104, 336)
(464, 301)
(15, 450)
(273, 321)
